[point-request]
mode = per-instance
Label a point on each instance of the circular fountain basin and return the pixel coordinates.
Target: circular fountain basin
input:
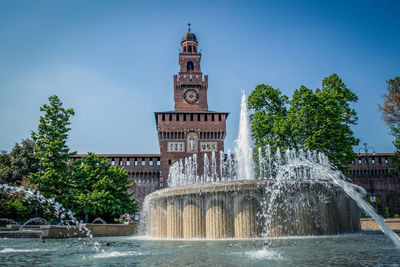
(241, 209)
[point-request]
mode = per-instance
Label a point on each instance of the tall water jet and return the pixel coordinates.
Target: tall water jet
(295, 193)
(243, 149)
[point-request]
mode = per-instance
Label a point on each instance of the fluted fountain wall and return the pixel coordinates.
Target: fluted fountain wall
(234, 210)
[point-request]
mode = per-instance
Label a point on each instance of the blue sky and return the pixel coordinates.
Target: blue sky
(113, 61)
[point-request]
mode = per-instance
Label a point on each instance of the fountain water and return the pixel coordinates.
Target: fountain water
(99, 220)
(60, 212)
(297, 193)
(35, 221)
(243, 150)
(126, 218)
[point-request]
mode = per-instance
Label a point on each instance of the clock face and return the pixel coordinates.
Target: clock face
(191, 96)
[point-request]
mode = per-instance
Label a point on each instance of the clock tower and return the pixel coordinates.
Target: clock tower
(190, 128)
(190, 88)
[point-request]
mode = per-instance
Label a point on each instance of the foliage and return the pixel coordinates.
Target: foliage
(51, 145)
(88, 186)
(5, 168)
(99, 189)
(389, 213)
(391, 116)
(391, 102)
(315, 120)
(18, 208)
(18, 163)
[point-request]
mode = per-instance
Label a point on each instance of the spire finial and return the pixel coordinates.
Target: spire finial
(189, 24)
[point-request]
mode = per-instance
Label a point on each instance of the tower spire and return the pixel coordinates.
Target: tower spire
(189, 24)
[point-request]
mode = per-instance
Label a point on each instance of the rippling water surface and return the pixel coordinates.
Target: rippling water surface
(373, 249)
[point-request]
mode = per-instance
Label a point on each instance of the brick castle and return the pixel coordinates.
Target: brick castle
(193, 129)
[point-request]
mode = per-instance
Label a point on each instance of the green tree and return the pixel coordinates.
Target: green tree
(88, 186)
(269, 120)
(316, 120)
(5, 168)
(391, 116)
(51, 145)
(99, 189)
(18, 163)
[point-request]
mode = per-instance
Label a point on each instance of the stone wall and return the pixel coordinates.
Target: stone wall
(97, 230)
(232, 209)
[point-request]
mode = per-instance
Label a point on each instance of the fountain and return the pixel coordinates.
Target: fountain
(284, 197)
(294, 194)
(299, 201)
(65, 216)
(99, 220)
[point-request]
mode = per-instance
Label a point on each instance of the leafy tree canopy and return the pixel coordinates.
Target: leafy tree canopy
(99, 189)
(17, 164)
(391, 116)
(316, 120)
(51, 146)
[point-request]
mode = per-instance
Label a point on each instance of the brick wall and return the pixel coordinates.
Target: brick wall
(386, 186)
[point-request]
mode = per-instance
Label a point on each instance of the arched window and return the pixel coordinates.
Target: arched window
(190, 66)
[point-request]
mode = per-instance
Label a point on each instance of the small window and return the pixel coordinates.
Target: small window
(150, 162)
(177, 117)
(128, 162)
(386, 160)
(163, 117)
(198, 117)
(219, 117)
(184, 117)
(190, 66)
(136, 162)
(184, 49)
(359, 161)
(205, 117)
(191, 117)
(143, 162)
(212, 117)
(169, 162)
(190, 48)
(112, 162)
(120, 162)
(170, 117)
(373, 160)
(158, 162)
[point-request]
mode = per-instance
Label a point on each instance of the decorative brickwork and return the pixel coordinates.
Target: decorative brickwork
(190, 128)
